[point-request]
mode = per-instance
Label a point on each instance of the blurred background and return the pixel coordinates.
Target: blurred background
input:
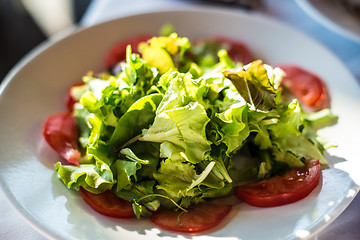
(23, 25)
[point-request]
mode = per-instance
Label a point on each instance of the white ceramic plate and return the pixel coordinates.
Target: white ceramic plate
(36, 87)
(334, 16)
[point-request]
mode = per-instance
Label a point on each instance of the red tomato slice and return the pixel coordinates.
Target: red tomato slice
(108, 204)
(199, 217)
(237, 50)
(69, 100)
(117, 53)
(280, 190)
(60, 132)
(308, 88)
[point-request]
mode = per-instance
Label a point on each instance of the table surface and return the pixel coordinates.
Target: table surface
(346, 226)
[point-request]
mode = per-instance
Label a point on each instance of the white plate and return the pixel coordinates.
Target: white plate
(333, 15)
(37, 85)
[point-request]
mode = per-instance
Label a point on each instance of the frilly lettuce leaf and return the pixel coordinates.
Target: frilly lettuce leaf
(254, 85)
(289, 121)
(126, 173)
(95, 178)
(138, 117)
(292, 149)
(181, 91)
(183, 127)
(171, 182)
(292, 146)
(180, 181)
(180, 120)
(234, 127)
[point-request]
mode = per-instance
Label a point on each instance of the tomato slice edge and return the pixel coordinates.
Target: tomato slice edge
(248, 195)
(306, 86)
(108, 204)
(200, 217)
(60, 132)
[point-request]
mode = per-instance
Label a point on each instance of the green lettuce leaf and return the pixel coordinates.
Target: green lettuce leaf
(126, 173)
(143, 198)
(95, 178)
(180, 181)
(174, 177)
(234, 127)
(183, 127)
(138, 117)
(180, 120)
(254, 85)
(293, 149)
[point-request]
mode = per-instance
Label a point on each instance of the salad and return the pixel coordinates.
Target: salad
(174, 126)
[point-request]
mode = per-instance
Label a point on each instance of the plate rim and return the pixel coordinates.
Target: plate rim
(317, 15)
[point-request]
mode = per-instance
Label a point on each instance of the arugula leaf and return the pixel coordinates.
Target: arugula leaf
(137, 191)
(143, 198)
(131, 156)
(132, 168)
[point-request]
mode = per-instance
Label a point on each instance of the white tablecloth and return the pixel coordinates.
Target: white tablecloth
(347, 225)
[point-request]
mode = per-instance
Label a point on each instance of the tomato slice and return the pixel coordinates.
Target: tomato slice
(69, 100)
(117, 53)
(236, 49)
(108, 204)
(280, 190)
(60, 132)
(198, 218)
(308, 88)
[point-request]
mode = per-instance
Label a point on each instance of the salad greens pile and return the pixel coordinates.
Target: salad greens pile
(176, 127)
